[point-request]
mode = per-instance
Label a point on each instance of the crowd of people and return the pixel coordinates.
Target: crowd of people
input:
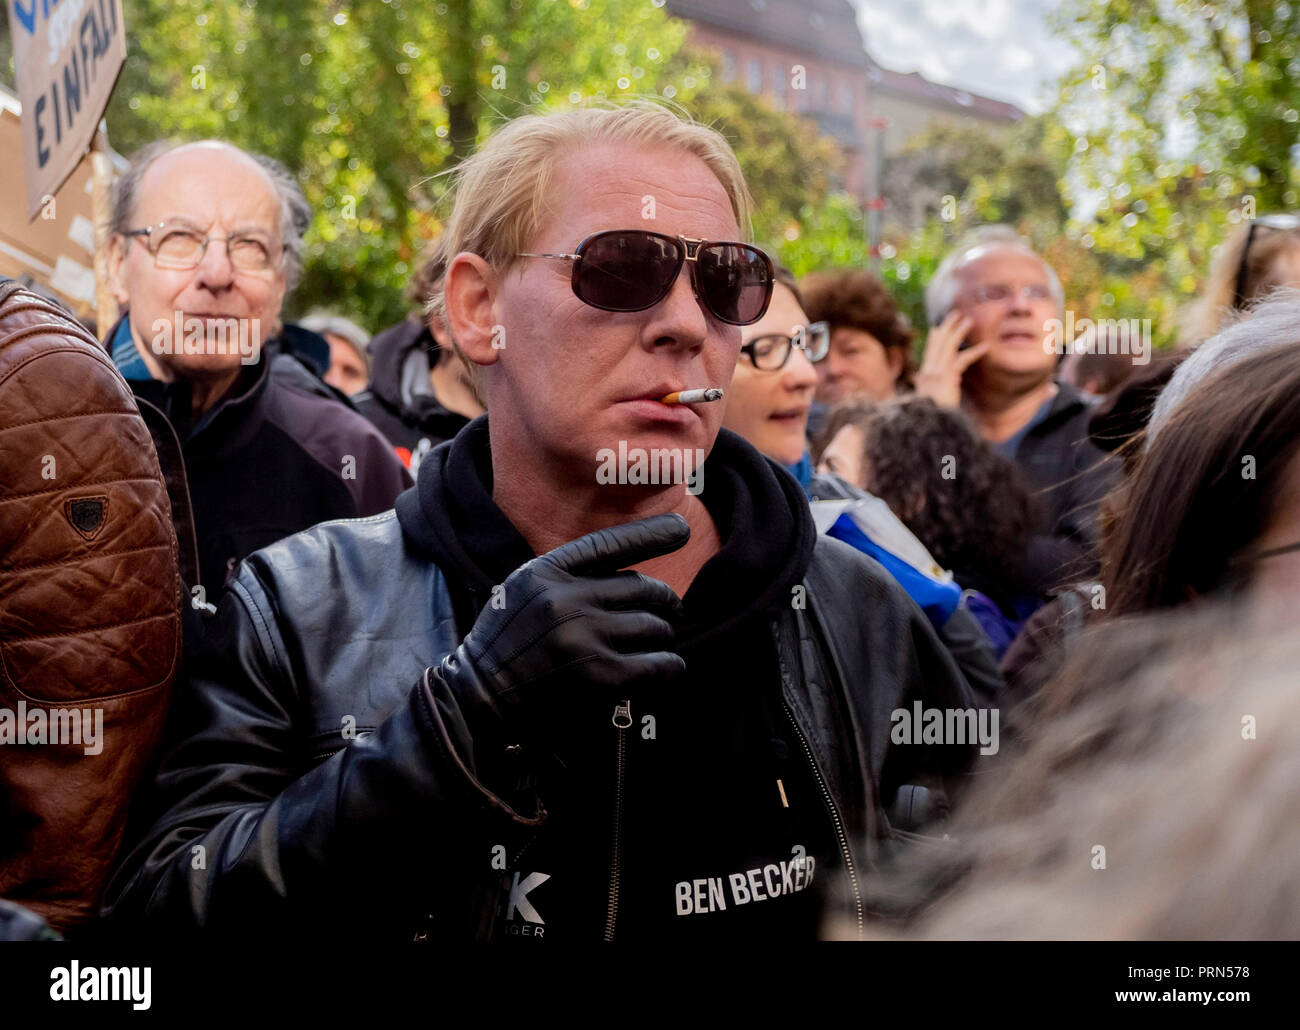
(631, 588)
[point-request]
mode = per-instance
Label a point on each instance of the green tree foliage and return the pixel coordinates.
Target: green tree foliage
(942, 160)
(6, 53)
(369, 102)
(827, 234)
(788, 164)
(1180, 120)
(946, 180)
(1024, 188)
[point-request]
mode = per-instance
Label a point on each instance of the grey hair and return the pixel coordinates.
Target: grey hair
(295, 212)
(322, 322)
(1272, 322)
(942, 289)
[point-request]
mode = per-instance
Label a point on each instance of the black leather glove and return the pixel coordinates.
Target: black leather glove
(572, 627)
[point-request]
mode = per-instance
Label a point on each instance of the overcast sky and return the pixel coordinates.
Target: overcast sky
(1001, 48)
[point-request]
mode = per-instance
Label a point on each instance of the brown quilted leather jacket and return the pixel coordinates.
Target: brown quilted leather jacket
(90, 596)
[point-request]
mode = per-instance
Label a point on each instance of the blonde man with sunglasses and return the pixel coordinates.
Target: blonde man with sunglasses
(540, 702)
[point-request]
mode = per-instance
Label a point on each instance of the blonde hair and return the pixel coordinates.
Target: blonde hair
(503, 192)
(1218, 302)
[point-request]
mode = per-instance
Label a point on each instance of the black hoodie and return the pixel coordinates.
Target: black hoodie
(399, 401)
(1068, 476)
(721, 829)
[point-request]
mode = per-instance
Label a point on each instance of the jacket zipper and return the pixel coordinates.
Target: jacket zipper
(840, 835)
(622, 720)
(335, 750)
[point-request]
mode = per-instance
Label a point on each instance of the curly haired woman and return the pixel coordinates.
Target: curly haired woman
(960, 498)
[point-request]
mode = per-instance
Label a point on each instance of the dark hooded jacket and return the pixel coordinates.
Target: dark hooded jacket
(318, 763)
(1068, 476)
(280, 452)
(399, 400)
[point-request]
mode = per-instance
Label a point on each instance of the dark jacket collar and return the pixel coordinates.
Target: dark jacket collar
(231, 422)
(1066, 405)
(401, 356)
(310, 348)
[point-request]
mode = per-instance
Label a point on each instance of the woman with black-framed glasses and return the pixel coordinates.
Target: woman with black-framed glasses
(772, 391)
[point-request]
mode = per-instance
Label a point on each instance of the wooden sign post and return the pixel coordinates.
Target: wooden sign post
(101, 181)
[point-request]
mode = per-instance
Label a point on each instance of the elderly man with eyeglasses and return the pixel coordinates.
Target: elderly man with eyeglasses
(537, 702)
(205, 244)
(991, 352)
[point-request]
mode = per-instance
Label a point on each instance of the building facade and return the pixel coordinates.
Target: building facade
(809, 56)
(804, 56)
(910, 102)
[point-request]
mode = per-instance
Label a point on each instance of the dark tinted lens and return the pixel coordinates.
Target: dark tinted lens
(735, 281)
(626, 271)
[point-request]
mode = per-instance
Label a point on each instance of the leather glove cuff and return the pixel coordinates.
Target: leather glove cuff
(470, 727)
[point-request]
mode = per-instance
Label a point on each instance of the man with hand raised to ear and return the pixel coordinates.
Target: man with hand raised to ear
(536, 703)
(995, 308)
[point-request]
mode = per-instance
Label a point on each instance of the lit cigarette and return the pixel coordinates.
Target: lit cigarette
(712, 393)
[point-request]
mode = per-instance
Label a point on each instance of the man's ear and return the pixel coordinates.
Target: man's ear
(116, 257)
(470, 300)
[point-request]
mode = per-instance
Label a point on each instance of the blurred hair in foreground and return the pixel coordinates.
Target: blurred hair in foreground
(1176, 748)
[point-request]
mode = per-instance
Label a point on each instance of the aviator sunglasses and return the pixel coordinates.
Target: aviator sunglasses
(633, 269)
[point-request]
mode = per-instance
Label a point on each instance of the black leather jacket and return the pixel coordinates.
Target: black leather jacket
(318, 781)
